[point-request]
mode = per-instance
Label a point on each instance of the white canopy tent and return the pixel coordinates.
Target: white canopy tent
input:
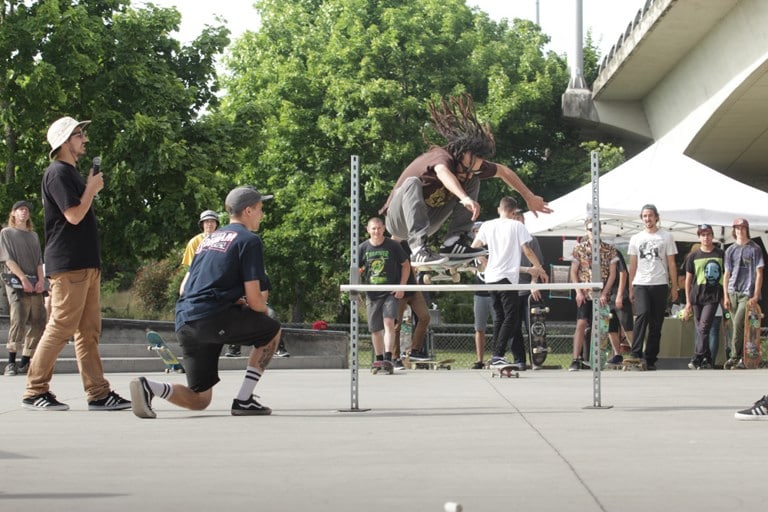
(685, 192)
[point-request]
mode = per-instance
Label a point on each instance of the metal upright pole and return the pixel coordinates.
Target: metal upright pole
(596, 277)
(354, 278)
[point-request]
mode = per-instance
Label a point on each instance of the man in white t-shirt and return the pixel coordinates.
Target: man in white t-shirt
(507, 239)
(651, 269)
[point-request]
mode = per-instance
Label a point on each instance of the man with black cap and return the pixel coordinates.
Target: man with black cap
(742, 283)
(20, 252)
(222, 304)
(73, 266)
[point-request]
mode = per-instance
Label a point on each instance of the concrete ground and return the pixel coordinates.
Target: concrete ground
(668, 443)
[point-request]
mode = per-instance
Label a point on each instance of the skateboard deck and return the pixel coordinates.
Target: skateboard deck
(449, 271)
(726, 334)
(631, 364)
(385, 367)
(537, 332)
(508, 370)
(752, 321)
(157, 344)
(432, 365)
(604, 318)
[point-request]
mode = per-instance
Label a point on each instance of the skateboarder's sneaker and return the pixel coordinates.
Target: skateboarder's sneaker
(694, 364)
(706, 364)
(398, 364)
(616, 360)
(758, 412)
(44, 402)
(426, 257)
(578, 364)
(111, 402)
(250, 407)
(281, 352)
(462, 248)
(478, 365)
(419, 355)
(141, 398)
(498, 361)
(11, 370)
(740, 365)
(233, 351)
(519, 366)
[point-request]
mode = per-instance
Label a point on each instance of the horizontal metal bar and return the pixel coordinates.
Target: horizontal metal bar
(465, 287)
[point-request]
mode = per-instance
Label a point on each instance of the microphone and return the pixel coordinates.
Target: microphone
(96, 165)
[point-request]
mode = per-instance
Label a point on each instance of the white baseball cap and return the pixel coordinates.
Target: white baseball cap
(61, 130)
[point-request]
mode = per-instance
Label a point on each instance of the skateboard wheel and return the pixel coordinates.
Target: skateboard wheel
(427, 279)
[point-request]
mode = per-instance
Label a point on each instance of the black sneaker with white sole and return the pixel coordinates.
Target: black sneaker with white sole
(44, 402)
(111, 402)
(250, 407)
(426, 257)
(462, 248)
(141, 398)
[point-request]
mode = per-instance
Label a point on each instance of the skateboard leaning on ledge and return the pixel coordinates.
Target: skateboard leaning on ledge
(157, 344)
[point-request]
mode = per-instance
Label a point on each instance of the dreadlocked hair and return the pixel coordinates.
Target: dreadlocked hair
(454, 119)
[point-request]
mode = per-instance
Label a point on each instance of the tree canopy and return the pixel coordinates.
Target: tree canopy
(318, 82)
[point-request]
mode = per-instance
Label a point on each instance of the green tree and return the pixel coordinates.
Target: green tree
(106, 61)
(326, 79)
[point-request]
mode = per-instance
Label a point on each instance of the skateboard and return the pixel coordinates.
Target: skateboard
(726, 334)
(508, 370)
(432, 365)
(604, 318)
(632, 364)
(537, 331)
(157, 344)
(449, 271)
(383, 366)
(752, 321)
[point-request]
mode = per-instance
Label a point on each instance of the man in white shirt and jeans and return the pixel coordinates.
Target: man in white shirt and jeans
(651, 270)
(507, 239)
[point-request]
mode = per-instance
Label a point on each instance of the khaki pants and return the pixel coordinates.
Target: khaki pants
(75, 310)
(27, 321)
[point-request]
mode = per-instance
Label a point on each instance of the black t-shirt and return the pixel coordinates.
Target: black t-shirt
(225, 261)
(381, 264)
(67, 246)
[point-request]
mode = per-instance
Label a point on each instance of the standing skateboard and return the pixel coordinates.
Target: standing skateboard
(383, 366)
(604, 318)
(449, 271)
(726, 334)
(157, 344)
(433, 365)
(508, 370)
(537, 331)
(752, 321)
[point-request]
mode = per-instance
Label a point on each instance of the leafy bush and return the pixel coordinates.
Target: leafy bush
(152, 285)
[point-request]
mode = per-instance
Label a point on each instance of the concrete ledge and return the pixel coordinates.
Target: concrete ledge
(123, 348)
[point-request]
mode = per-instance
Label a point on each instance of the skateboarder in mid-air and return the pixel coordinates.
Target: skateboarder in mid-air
(444, 183)
(222, 304)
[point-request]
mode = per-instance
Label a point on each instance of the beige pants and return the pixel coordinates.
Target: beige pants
(27, 321)
(75, 310)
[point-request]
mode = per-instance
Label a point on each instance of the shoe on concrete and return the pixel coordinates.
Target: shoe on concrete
(694, 364)
(616, 360)
(11, 370)
(233, 351)
(250, 407)
(44, 402)
(111, 402)
(478, 365)
(758, 412)
(141, 398)
(398, 364)
(575, 366)
(281, 352)
(520, 366)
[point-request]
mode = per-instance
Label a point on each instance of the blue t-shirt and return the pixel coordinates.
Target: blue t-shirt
(225, 261)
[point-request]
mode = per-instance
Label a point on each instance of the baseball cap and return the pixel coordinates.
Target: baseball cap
(19, 204)
(61, 130)
(241, 198)
(740, 222)
(703, 228)
(208, 215)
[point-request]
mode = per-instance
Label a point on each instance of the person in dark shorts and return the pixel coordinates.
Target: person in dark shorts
(222, 304)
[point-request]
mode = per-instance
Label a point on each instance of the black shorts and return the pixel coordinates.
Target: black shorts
(202, 340)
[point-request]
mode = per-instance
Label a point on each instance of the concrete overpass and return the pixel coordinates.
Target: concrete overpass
(691, 75)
